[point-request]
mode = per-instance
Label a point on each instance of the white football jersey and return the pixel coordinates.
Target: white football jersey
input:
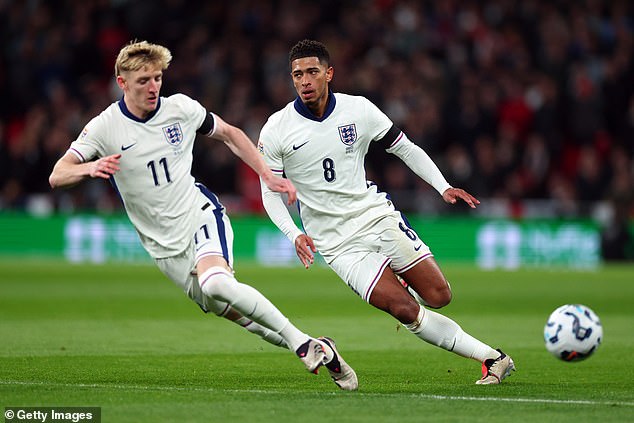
(324, 158)
(155, 181)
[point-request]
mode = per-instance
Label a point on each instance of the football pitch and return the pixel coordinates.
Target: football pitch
(125, 339)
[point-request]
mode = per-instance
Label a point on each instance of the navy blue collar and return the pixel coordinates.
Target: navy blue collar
(127, 113)
(303, 110)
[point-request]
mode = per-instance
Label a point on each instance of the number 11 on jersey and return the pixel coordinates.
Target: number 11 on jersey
(152, 167)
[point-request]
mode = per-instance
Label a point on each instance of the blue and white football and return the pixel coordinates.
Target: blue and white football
(573, 332)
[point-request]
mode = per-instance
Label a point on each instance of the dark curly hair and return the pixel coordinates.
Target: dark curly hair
(310, 48)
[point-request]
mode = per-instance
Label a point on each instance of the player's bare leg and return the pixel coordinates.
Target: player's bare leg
(390, 296)
(429, 282)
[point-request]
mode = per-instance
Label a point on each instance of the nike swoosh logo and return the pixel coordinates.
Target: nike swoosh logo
(297, 147)
(125, 147)
(418, 247)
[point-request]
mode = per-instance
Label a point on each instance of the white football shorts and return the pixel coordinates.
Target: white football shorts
(214, 237)
(361, 260)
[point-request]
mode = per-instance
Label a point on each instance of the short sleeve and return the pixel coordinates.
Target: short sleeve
(191, 109)
(89, 144)
(378, 122)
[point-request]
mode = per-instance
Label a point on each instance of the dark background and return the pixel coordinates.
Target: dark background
(527, 104)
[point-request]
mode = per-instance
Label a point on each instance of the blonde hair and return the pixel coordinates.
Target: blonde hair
(138, 54)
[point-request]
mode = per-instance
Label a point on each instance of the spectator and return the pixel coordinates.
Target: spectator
(537, 95)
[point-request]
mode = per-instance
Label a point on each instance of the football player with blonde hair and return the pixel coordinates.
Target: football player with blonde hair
(136, 55)
(143, 145)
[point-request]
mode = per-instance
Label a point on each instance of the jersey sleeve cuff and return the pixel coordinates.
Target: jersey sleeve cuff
(77, 154)
(294, 234)
(442, 188)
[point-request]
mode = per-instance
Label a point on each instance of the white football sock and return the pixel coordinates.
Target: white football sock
(443, 332)
(264, 333)
(218, 283)
(293, 337)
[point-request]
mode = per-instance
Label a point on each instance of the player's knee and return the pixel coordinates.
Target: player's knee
(439, 297)
(217, 283)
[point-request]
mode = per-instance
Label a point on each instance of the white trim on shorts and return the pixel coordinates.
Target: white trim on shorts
(363, 258)
(370, 288)
(412, 263)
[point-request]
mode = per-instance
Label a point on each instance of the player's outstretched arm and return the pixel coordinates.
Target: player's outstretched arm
(421, 164)
(69, 171)
(280, 185)
(241, 146)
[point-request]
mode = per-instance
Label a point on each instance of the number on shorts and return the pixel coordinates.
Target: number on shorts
(204, 231)
(408, 231)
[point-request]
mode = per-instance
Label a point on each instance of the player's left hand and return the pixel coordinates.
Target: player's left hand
(451, 195)
(277, 184)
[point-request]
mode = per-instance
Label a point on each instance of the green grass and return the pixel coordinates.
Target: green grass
(125, 339)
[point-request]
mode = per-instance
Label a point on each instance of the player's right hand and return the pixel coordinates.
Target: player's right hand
(105, 167)
(305, 249)
(281, 185)
(452, 195)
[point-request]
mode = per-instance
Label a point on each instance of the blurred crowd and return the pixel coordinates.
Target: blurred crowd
(527, 103)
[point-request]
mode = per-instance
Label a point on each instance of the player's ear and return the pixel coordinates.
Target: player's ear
(329, 73)
(120, 81)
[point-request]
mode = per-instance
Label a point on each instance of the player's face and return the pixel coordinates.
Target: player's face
(141, 89)
(311, 79)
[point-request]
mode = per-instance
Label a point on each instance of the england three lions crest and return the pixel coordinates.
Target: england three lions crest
(173, 134)
(348, 134)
